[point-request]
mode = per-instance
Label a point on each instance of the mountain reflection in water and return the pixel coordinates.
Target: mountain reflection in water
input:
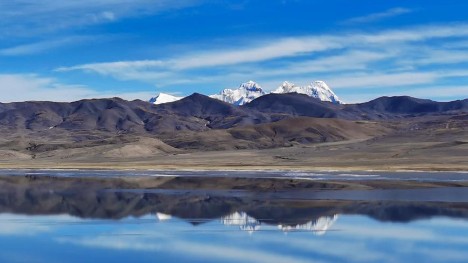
(250, 224)
(112, 199)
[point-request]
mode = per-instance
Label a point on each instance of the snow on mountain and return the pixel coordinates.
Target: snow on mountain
(244, 94)
(250, 224)
(164, 98)
(251, 90)
(319, 227)
(317, 89)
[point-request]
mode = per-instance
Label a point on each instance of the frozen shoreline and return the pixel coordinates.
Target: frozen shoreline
(422, 176)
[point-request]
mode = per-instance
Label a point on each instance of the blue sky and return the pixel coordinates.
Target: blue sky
(69, 50)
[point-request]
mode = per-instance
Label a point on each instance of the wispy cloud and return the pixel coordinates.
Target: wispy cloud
(272, 49)
(41, 46)
(353, 60)
(142, 70)
(359, 60)
(280, 48)
(24, 18)
(378, 16)
(429, 56)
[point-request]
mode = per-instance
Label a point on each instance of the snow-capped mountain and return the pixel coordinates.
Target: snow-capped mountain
(251, 90)
(317, 89)
(250, 224)
(244, 94)
(164, 98)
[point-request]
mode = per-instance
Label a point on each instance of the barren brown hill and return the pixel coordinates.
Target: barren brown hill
(101, 130)
(284, 133)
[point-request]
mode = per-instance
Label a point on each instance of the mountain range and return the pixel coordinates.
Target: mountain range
(119, 128)
(251, 90)
(317, 89)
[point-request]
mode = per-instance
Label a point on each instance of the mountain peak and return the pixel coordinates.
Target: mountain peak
(250, 90)
(163, 98)
(251, 86)
(286, 87)
(317, 89)
(246, 92)
(321, 83)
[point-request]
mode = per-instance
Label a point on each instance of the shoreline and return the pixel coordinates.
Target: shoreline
(223, 168)
(207, 185)
(228, 172)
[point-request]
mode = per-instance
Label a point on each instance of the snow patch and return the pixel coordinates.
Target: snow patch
(164, 98)
(244, 94)
(317, 89)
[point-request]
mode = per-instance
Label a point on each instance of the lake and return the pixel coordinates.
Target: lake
(166, 216)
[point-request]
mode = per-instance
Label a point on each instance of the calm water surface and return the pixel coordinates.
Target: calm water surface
(60, 224)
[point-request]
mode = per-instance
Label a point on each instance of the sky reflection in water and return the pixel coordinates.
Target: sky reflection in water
(238, 237)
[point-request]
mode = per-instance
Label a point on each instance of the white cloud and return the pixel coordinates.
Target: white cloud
(414, 34)
(379, 16)
(124, 70)
(281, 48)
(272, 49)
(108, 15)
(432, 57)
(33, 48)
(348, 61)
(385, 59)
(27, 17)
(33, 87)
(359, 48)
(23, 87)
